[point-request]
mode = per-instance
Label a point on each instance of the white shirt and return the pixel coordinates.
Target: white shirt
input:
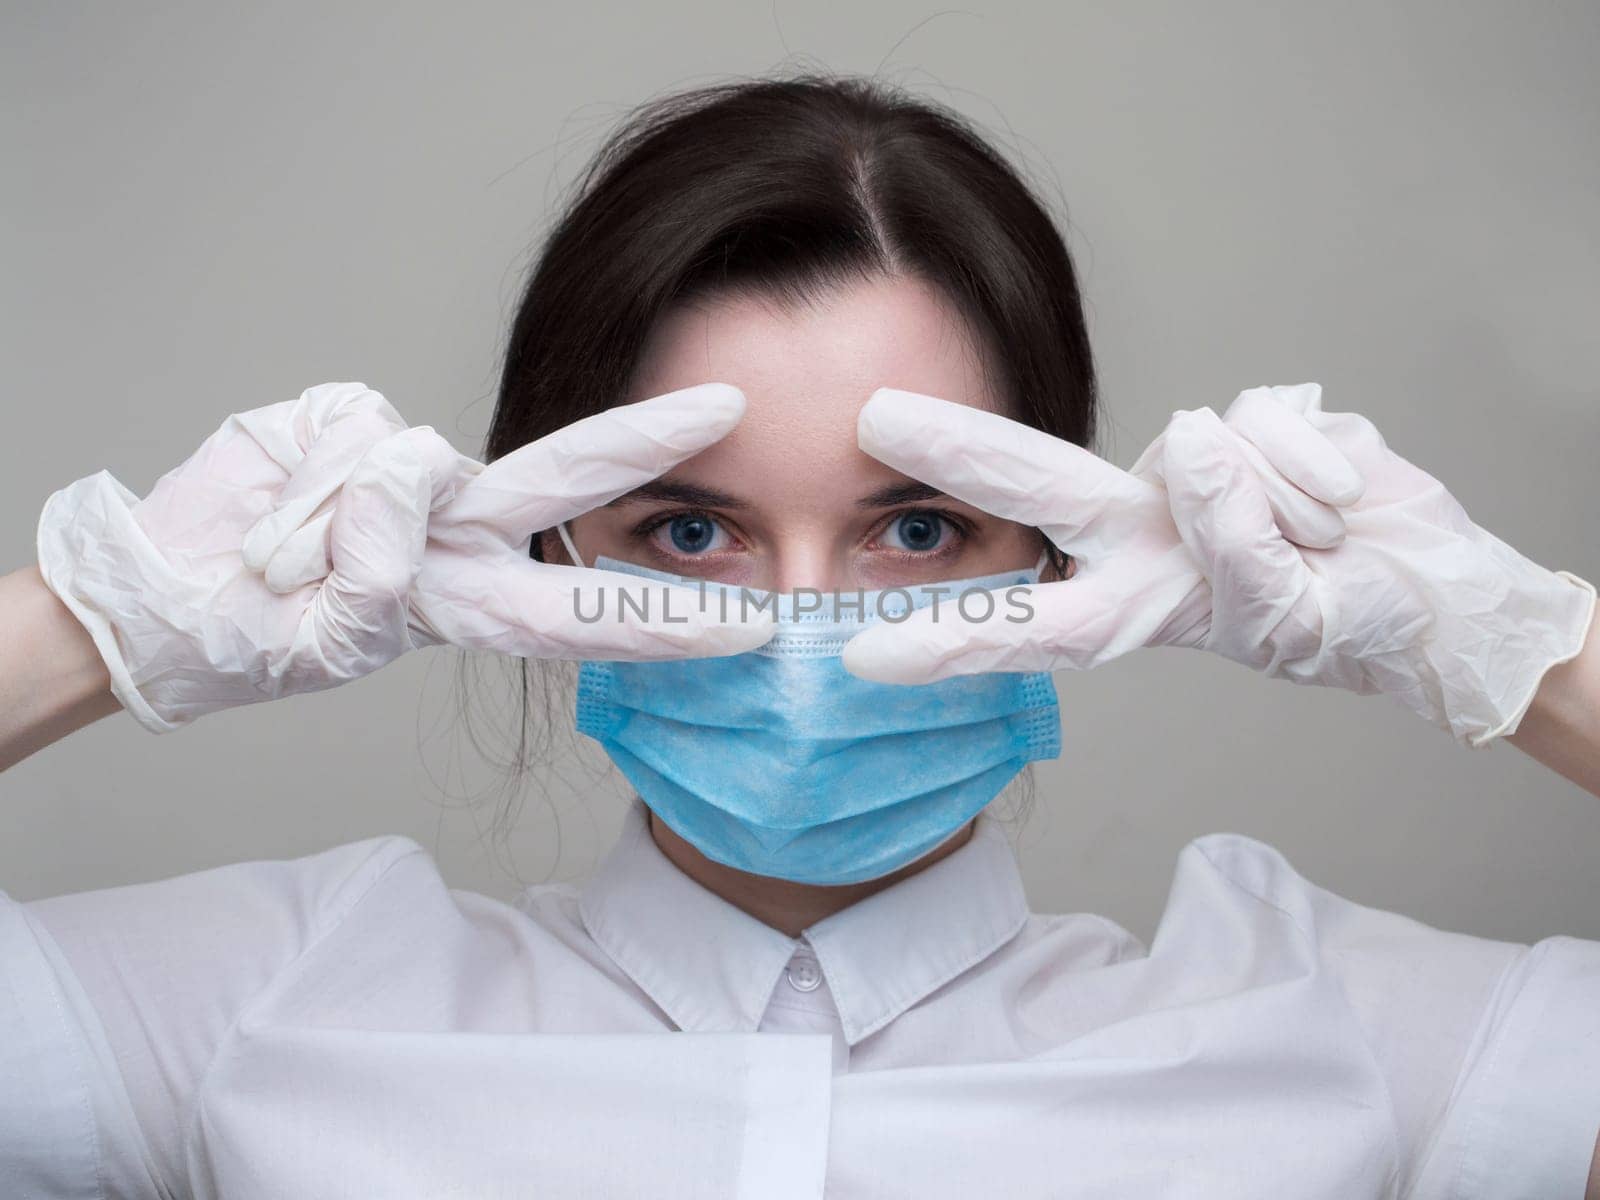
(345, 1025)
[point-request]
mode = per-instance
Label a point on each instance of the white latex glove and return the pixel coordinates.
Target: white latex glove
(311, 542)
(1280, 536)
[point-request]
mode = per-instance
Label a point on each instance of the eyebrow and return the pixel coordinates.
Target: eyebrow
(899, 493)
(690, 494)
(694, 495)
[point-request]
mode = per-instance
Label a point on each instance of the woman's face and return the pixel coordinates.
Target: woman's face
(788, 499)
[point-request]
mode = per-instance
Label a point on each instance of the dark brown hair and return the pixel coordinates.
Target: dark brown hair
(788, 187)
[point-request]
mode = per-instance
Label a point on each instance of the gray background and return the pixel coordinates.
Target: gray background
(211, 209)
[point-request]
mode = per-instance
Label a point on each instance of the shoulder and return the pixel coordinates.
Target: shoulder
(1219, 876)
(299, 895)
(334, 880)
(1259, 870)
(1223, 870)
(125, 994)
(1229, 889)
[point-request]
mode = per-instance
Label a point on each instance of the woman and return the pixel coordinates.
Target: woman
(791, 334)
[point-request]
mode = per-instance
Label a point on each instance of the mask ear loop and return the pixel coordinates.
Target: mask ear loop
(566, 540)
(1044, 560)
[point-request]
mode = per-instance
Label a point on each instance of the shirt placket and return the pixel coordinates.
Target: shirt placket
(788, 1103)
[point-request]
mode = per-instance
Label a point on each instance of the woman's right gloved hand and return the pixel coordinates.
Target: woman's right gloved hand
(311, 542)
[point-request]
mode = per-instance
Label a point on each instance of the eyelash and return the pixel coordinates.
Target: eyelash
(962, 528)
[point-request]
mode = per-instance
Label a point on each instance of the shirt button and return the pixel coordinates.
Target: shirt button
(804, 974)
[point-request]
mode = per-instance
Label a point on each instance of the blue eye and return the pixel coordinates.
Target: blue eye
(919, 532)
(692, 533)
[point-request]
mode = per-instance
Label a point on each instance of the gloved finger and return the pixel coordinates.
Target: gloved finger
(1304, 399)
(593, 461)
(319, 474)
(320, 408)
(1388, 476)
(1357, 439)
(1220, 509)
(1098, 615)
(304, 557)
(1300, 452)
(1303, 520)
(286, 431)
(1081, 501)
(306, 553)
(377, 539)
(515, 605)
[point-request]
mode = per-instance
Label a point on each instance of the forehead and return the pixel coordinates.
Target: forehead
(806, 369)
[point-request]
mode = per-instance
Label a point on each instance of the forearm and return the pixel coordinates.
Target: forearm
(1562, 726)
(52, 679)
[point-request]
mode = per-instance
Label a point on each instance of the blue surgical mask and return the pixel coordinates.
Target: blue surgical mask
(781, 763)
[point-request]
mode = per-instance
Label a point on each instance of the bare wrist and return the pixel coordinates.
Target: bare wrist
(1562, 725)
(52, 679)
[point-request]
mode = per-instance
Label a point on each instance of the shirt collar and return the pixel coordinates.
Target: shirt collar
(711, 967)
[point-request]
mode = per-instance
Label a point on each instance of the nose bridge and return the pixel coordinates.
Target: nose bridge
(806, 558)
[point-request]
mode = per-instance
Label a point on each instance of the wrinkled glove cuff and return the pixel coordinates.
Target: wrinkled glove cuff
(1569, 633)
(77, 522)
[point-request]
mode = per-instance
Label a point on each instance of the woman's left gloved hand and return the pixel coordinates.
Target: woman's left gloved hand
(1280, 536)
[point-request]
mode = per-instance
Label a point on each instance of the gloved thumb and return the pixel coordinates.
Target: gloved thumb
(376, 538)
(1259, 581)
(319, 439)
(303, 554)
